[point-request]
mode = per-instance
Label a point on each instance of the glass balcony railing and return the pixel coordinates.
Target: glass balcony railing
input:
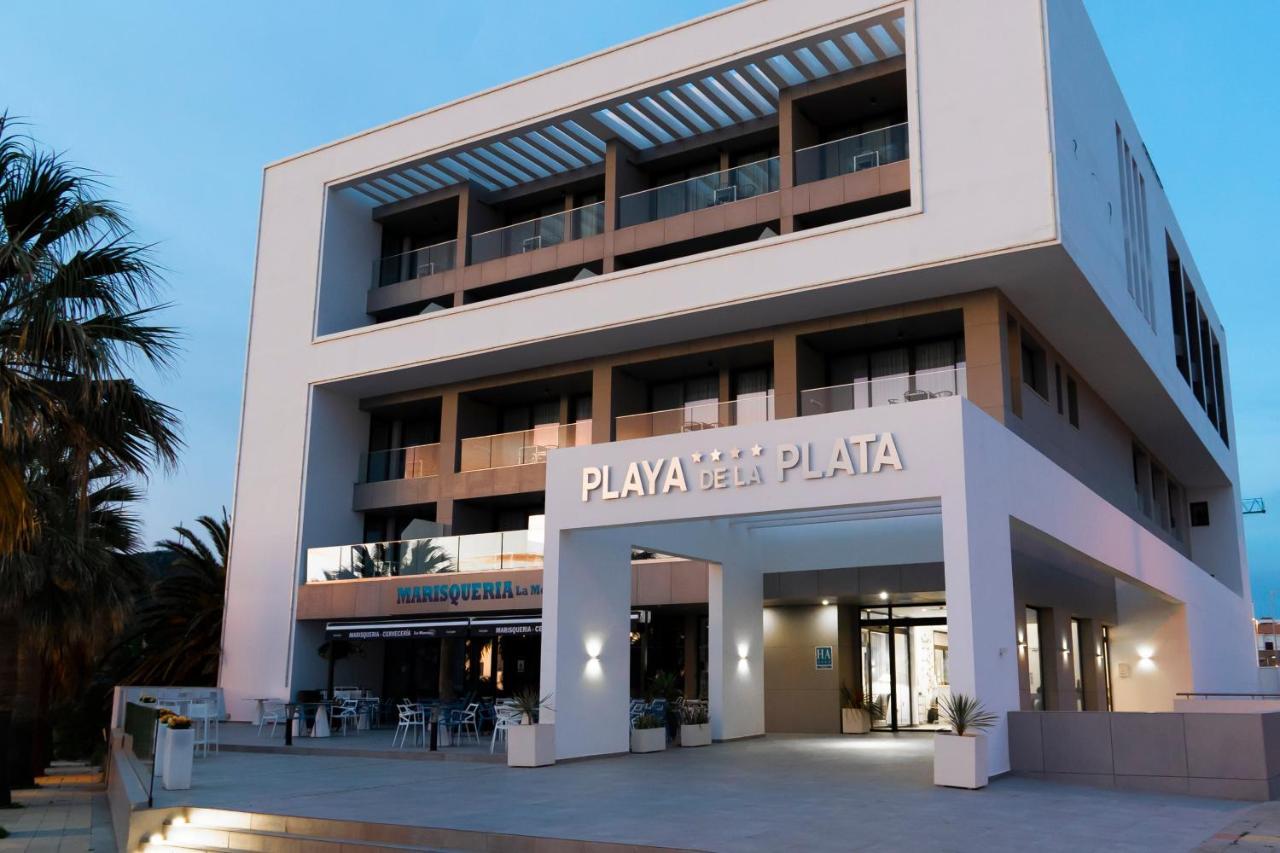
(538, 233)
(852, 154)
(400, 463)
(746, 181)
(416, 263)
(524, 447)
(481, 552)
(885, 391)
(752, 409)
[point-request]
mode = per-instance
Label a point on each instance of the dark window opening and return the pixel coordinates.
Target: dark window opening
(1073, 403)
(1034, 367)
(1199, 511)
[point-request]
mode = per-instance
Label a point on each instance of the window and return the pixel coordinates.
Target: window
(1106, 661)
(1137, 245)
(1035, 668)
(1073, 403)
(1199, 511)
(1077, 663)
(1057, 385)
(1034, 370)
(1177, 308)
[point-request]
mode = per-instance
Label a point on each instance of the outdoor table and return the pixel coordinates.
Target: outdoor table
(297, 712)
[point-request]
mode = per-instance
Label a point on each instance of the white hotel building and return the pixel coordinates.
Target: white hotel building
(803, 345)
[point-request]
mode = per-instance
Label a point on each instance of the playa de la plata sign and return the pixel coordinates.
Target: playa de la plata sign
(735, 467)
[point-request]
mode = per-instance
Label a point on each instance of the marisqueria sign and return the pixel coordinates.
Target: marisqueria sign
(733, 468)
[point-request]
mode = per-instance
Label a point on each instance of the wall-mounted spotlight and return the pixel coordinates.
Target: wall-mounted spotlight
(594, 646)
(884, 596)
(826, 602)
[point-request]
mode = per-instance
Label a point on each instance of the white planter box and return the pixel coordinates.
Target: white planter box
(649, 740)
(854, 721)
(158, 748)
(960, 761)
(531, 745)
(179, 750)
(695, 734)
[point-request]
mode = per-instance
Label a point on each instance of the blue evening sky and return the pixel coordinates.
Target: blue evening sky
(180, 105)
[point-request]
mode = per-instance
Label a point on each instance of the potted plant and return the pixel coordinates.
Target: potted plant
(163, 715)
(695, 725)
(179, 751)
(531, 743)
(960, 755)
(648, 734)
(856, 715)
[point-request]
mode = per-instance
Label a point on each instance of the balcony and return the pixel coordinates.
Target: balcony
(541, 233)
(481, 552)
(885, 391)
(696, 416)
(401, 463)
(851, 154)
(736, 184)
(417, 263)
(523, 447)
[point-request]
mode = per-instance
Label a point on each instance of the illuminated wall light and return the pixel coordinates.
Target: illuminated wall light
(884, 596)
(826, 602)
(1145, 663)
(594, 646)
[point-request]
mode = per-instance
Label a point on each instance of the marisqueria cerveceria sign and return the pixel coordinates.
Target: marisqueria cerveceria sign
(735, 467)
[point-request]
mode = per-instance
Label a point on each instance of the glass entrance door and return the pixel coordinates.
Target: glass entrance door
(904, 664)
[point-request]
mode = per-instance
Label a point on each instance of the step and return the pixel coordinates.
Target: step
(226, 839)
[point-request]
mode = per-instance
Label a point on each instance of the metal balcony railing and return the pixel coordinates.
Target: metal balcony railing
(852, 154)
(415, 263)
(740, 182)
(538, 233)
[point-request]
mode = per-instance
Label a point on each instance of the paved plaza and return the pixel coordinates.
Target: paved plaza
(71, 817)
(872, 793)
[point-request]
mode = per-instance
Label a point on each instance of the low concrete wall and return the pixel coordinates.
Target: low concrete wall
(1227, 756)
(1225, 706)
(131, 820)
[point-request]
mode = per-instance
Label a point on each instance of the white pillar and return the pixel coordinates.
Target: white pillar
(981, 626)
(735, 670)
(586, 642)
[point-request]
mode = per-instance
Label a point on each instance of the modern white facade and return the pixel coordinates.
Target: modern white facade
(796, 226)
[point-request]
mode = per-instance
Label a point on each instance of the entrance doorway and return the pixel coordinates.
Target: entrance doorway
(904, 664)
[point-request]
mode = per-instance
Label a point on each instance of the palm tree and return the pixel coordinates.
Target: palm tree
(76, 310)
(76, 580)
(179, 627)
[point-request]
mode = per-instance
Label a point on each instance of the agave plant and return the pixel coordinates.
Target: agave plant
(649, 721)
(963, 713)
(694, 714)
(527, 703)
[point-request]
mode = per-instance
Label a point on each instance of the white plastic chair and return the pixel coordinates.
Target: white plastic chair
(468, 719)
(273, 713)
(410, 718)
(504, 718)
(205, 724)
(348, 714)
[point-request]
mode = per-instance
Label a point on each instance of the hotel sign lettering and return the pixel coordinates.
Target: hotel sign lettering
(736, 468)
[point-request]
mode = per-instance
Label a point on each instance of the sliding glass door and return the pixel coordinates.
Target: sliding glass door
(904, 664)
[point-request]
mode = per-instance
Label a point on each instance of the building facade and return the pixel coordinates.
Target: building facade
(804, 348)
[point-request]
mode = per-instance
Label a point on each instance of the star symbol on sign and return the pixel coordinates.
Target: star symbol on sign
(715, 456)
(696, 457)
(735, 453)
(756, 450)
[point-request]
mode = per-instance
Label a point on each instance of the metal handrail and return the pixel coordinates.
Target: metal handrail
(852, 136)
(568, 212)
(1230, 695)
(701, 177)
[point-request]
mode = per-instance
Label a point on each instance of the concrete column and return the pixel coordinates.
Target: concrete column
(691, 655)
(786, 394)
(586, 642)
(735, 603)
(1059, 667)
(978, 568)
(984, 354)
(602, 404)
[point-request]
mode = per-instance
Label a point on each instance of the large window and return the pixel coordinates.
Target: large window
(1077, 663)
(1034, 368)
(1035, 667)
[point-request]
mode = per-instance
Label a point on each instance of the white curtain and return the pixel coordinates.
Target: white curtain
(890, 377)
(935, 367)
